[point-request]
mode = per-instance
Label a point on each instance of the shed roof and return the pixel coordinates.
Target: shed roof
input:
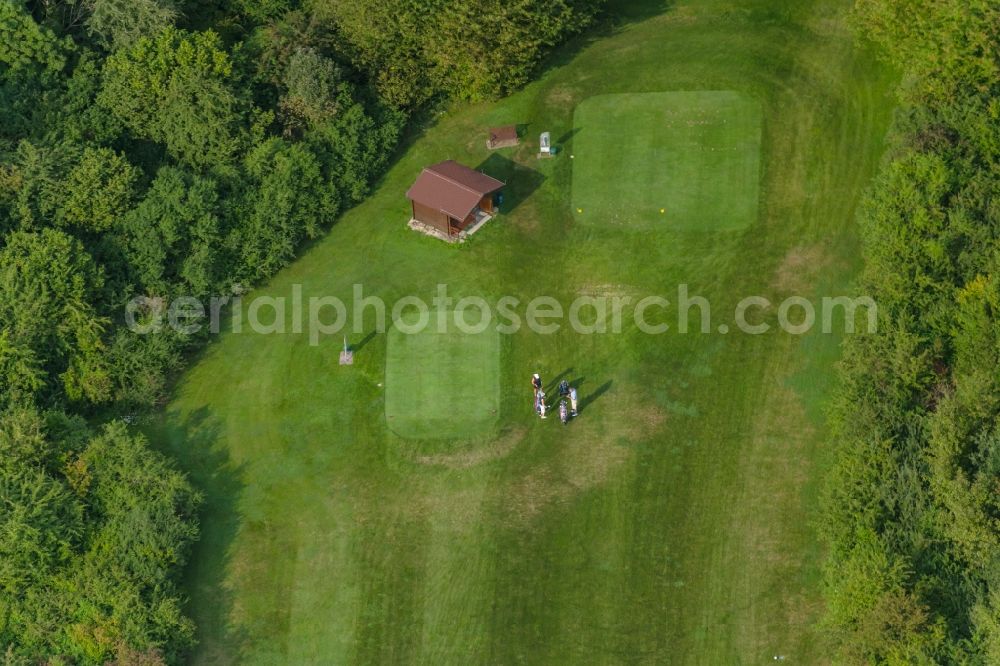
(452, 188)
(505, 133)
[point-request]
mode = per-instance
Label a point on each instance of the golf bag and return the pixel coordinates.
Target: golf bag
(563, 412)
(540, 407)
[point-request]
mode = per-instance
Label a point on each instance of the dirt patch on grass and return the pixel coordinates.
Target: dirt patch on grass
(608, 291)
(798, 271)
(562, 96)
(593, 451)
(648, 420)
(495, 450)
(443, 508)
(527, 218)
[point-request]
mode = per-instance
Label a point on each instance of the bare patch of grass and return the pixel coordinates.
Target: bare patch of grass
(608, 290)
(495, 450)
(798, 271)
(562, 96)
(594, 449)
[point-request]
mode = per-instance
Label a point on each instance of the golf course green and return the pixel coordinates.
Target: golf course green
(412, 508)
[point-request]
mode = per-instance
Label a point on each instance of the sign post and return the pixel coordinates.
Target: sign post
(346, 356)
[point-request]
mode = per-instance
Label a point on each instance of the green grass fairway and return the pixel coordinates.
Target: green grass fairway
(695, 156)
(442, 384)
(672, 522)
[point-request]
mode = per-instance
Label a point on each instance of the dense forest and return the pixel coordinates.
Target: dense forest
(162, 148)
(912, 512)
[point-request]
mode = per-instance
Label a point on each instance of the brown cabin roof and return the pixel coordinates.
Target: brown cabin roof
(505, 133)
(452, 188)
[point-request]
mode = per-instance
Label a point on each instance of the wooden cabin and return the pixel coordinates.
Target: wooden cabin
(451, 197)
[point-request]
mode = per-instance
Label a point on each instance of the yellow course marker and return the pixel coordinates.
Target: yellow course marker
(579, 210)
(663, 210)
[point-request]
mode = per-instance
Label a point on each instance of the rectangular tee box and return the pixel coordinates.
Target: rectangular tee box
(687, 161)
(442, 385)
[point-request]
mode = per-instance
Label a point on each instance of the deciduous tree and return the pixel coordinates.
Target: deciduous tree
(177, 88)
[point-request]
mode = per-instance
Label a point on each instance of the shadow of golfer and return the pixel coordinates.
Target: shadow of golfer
(553, 384)
(598, 392)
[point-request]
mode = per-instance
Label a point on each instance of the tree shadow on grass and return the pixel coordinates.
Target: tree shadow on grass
(639, 10)
(194, 442)
(521, 182)
(612, 20)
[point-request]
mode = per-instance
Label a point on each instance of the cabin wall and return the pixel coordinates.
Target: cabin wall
(434, 218)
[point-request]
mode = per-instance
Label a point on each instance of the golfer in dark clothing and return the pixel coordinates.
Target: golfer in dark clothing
(536, 382)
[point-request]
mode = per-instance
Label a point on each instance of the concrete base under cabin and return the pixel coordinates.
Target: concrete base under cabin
(507, 143)
(481, 219)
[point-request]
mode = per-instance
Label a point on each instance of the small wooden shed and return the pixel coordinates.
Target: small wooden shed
(451, 197)
(502, 137)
